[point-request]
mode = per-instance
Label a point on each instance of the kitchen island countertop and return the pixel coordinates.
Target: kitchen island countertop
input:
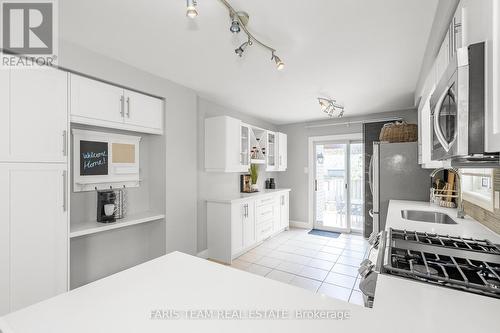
(125, 302)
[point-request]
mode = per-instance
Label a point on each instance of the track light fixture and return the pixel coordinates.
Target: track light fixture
(279, 64)
(239, 21)
(191, 11)
(235, 26)
(239, 51)
(330, 106)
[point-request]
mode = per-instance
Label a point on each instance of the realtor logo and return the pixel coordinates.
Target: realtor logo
(28, 30)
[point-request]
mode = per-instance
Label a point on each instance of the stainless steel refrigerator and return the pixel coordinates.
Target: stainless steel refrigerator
(395, 175)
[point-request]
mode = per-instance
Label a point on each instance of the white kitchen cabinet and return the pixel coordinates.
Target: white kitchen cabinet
(226, 147)
(272, 151)
(282, 152)
(94, 102)
(34, 115)
(34, 227)
(242, 226)
(284, 210)
(98, 103)
(492, 139)
(143, 111)
(4, 113)
(236, 226)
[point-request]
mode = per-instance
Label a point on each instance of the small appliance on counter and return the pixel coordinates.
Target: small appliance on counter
(110, 205)
(270, 184)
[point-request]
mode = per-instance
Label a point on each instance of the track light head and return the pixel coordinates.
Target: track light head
(235, 26)
(279, 64)
(191, 11)
(239, 51)
(330, 106)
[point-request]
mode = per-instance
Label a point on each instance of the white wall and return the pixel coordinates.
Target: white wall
(181, 144)
(296, 177)
(217, 184)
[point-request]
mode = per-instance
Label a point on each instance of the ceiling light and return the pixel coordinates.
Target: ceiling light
(235, 26)
(279, 64)
(330, 107)
(239, 51)
(191, 11)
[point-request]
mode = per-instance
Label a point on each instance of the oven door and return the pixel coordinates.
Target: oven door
(444, 119)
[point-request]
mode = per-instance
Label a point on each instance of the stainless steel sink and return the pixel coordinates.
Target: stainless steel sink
(425, 216)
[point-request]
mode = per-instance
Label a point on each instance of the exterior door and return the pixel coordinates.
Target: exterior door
(338, 186)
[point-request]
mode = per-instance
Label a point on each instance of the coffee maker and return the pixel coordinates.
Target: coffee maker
(106, 206)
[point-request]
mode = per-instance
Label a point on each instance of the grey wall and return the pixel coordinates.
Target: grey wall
(296, 176)
(216, 184)
(180, 145)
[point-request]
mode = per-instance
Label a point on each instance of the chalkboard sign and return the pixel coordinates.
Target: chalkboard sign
(93, 158)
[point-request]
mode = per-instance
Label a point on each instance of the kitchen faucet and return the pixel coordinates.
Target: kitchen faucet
(460, 204)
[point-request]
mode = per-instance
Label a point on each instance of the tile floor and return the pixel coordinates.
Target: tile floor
(321, 264)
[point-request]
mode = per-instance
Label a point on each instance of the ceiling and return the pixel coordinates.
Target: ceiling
(365, 53)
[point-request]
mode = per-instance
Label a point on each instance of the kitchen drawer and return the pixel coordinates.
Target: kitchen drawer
(264, 230)
(268, 200)
(264, 213)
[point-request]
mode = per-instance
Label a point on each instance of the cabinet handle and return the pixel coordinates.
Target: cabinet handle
(122, 106)
(128, 107)
(65, 143)
(65, 192)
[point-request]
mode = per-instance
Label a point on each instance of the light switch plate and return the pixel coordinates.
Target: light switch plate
(497, 200)
(306, 170)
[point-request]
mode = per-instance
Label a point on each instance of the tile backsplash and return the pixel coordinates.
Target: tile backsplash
(486, 217)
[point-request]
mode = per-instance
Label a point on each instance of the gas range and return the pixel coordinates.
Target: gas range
(465, 264)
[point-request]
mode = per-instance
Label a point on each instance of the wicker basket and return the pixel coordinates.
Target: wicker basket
(399, 132)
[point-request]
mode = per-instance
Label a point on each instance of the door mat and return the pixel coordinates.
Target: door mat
(330, 234)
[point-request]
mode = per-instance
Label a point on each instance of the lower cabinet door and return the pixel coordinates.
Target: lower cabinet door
(249, 225)
(35, 197)
(285, 210)
(238, 212)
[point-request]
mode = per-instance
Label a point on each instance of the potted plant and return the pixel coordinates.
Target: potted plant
(254, 175)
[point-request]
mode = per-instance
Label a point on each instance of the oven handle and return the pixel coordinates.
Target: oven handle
(437, 128)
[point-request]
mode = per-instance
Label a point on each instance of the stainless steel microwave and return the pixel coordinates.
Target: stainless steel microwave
(458, 106)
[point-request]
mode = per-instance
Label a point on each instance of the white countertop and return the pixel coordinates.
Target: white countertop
(244, 196)
(467, 227)
(427, 306)
(123, 302)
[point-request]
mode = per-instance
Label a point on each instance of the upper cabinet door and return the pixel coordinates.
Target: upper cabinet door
(4, 114)
(96, 103)
(493, 92)
(282, 152)
(37, 117)
(144, 111)
(271, 151)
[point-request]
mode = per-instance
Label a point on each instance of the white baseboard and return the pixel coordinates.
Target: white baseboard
(299, 224)
(203, 254)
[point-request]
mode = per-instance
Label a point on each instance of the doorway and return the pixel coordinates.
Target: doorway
(338, 186)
